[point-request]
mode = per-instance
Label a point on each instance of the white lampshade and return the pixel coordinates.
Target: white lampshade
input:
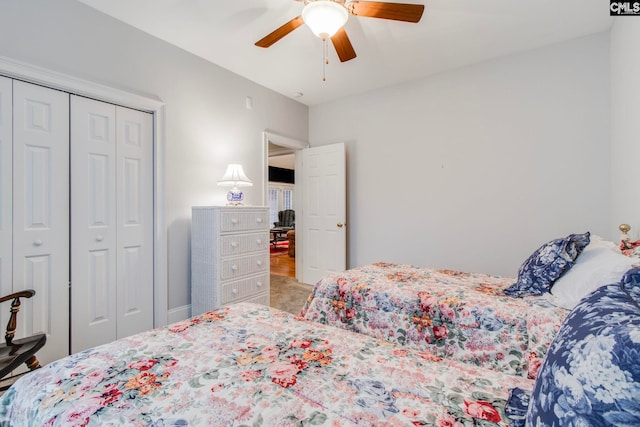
(324, 17)
(235, 177)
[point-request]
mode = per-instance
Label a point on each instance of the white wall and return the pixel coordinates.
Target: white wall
(475, 168)
(207, 124)
(625, 123)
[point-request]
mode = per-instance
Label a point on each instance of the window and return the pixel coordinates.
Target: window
(280, 198)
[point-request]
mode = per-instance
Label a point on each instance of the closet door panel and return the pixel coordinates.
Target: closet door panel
(6, 228)
(41, 212)
(93, 223)
(135, 221)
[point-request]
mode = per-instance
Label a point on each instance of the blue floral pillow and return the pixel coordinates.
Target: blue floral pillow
(547, 264)
(591, 373)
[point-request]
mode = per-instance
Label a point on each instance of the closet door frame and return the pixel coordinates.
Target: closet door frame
(6, 192)
(55, 80)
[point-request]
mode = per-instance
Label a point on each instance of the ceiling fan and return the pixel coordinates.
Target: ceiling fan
(326, 19)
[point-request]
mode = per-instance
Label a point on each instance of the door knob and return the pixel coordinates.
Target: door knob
(340, 225)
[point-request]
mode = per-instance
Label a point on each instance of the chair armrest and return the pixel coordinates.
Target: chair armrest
(15, 308)
(27, 293)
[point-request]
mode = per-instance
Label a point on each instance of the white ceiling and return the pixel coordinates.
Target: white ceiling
(451, 34)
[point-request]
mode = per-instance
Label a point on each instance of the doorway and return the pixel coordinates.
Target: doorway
(275, 145)
(281, 199)
(320, 203)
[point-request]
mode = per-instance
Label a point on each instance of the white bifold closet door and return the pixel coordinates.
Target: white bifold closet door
(111, 222)
(34, 211)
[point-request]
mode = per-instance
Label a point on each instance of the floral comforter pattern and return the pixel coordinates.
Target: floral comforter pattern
(248, 365)
(449, 314)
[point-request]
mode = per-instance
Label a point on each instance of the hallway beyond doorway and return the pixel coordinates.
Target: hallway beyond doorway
(283, 265)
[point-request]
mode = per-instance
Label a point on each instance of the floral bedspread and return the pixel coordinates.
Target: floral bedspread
(449, 314)
(248, 365)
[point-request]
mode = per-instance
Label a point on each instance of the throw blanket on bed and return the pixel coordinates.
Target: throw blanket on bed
(248, 365)
(449, 314)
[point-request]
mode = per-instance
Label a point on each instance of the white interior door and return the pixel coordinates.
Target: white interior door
(41, 213)
(6, 228)
(324, 211)
(134, 173)
(93, 223)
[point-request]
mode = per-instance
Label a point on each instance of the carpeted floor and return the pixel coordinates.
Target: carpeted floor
(288, 294)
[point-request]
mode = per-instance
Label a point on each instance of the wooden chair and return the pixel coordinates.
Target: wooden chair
(16, 352)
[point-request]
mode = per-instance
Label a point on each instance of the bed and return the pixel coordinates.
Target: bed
(501, 323)
(449, 314)
(248, 365)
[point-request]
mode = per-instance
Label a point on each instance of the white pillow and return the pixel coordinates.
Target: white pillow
(601, 263)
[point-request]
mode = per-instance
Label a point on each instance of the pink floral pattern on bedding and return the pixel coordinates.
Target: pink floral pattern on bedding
(449, 314)
(248, 365)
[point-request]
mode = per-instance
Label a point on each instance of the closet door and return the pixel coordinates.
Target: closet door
(41, 213)
(135, 221)
(93, 223)
(6, 232)
(111, 222)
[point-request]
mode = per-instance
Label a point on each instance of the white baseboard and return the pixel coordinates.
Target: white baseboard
(178, 314)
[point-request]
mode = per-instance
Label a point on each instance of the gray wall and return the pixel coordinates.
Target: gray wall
(207, 124)
(625, 123)
(475, 168)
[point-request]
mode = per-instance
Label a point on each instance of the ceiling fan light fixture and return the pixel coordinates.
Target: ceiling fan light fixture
(324, 17)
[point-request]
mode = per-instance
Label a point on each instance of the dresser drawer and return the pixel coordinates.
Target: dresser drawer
(237, 220)
(240, 289)
(238, 267)
(238, 244)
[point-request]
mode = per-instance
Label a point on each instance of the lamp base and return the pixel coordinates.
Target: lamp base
(235, 197)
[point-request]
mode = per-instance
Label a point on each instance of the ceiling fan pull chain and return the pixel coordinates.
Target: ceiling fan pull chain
(325, 60)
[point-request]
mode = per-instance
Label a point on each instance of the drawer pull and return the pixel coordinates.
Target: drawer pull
(234, 291)
(234, 244)
(38, 242)
(259, 242)
(234, 221)
(259, 284)
(259, 263)
(259, 220)
(234, 267)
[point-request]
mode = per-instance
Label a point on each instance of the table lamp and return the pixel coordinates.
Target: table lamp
(234, 177)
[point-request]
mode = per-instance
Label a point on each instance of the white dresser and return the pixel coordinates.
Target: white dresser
(229, 256)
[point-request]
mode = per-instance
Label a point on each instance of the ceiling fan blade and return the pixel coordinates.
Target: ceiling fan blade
(280, 32)
(343, 46)
(396, 11)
